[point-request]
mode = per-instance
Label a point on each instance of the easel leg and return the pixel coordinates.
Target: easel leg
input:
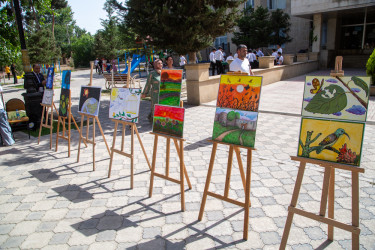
(113, 147)
(167, 158)
(93, 144)
(57, 133)
(143, 149)
(78, 129)
(80, 138)
(331, 202)
(50, 130)
(153, 165)
(69, 132)
(355, 209)
(123, 137)
(132, 159)
(208, 179)
(323, 201)
(185, 171)
(240, 166)
(247, 193)
(229, 171)
(41, 124)
(293, 203)
(182, 175)
(101, 131)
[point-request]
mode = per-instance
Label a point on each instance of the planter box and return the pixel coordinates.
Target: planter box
(372, 90)
(288, 59)
(266, 62)
(313, 56)
(302, 57)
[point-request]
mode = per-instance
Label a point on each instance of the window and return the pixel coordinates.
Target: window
(221, 41)
(249, 3)
(276, 4)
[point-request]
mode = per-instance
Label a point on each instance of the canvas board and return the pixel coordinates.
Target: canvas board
(65, 84)
(170, 87)
(64, 102)
(168, 120)
(47, 97)
(124, 104)
(89, 100)
(50, 76)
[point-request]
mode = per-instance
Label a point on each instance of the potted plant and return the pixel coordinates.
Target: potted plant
(370, 70)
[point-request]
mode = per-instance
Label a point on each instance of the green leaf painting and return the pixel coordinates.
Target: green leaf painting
(360, 83)
(330, 100)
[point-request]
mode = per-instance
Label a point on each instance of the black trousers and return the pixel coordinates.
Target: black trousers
(213, 66)
(15, 77)
(220, 69)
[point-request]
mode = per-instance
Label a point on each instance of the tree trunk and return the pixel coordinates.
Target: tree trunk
(35, 17)
(53, 24)
(192, 58)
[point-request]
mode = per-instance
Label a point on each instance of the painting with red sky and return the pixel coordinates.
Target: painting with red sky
(239, 92)
(168, 120)
(170, 87)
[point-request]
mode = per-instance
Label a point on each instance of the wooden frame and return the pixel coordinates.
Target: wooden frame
(133, 128)
(245, 181)
(183, 171)
(328, 195)
(46, 110)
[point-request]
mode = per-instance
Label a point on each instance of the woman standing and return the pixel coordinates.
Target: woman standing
(169, 61)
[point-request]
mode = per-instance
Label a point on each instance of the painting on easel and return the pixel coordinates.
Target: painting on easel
(334, 141)
(47, 97)
(65, 84)
(64, 102)
(89, 100)
(124, 104)
(341, 98)
(170, 87)
(169, 120)
(235, 126)
(50, 76)
(239, 92)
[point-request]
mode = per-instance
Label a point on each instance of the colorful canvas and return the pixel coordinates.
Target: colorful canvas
(124, 104)
(47, 96)
(170, 87)
(89, 100)
(239, 92)
(343, 98)
(169, 120)
(50, 75)
(334, 141)
(235, 126)
(64, 102)
(65, 84)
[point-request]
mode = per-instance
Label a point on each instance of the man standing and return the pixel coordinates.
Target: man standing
(279, 49)
(213, 61)
(280, 60)
(14, 73)
(38, 79)
(96, 64)
(219, 57)
(259, 53)
(241, 64)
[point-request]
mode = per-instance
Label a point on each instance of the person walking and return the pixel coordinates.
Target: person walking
(7, 71)
(219, 57)
(96, 65)
(241, 63)
(100, 64)
(14, 72)
(213, 61)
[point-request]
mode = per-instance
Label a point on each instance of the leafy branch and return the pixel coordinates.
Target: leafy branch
(358, 83)
(306, 149)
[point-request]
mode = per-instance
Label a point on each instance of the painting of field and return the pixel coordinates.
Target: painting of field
(169, 120)
(235, 126)
(170, 87)
(239, 92)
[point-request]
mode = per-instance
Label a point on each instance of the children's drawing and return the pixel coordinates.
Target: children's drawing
(235, 126)
(64, 102)
(343, 98)
(124, 104)
(47, 96)
(239, 92)
(168, 120)
(89, 100)
(170, 87)
(50, 76)
(334, 141)
(65, 84)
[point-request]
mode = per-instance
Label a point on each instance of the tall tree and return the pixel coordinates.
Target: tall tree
(280, 27)
(42, 47)
(56, 5)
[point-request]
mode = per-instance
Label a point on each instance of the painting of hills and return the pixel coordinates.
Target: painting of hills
(170, 87)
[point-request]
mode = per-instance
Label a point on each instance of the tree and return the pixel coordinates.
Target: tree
(280, 27)
(83, 50)
(184, 26)
(9, 49)
(42, 47)
(56, 5)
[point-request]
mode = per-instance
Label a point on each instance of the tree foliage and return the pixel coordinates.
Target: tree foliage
(83, 50)
(370, 66)
(280, 27)
(42, 47)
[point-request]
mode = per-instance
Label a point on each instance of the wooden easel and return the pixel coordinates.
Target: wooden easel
(183, 172)
(245, 181)
(328, 193)
(338, 67)
(44, 123)
(87, 140)
(133, 127)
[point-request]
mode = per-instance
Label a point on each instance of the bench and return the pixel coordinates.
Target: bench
(117, 79)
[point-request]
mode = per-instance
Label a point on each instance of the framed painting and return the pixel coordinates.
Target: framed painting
(334, 141)
(65, 84)
(168, 120)
(236, 127)
(239, 92)
(50, 76)
(89, 100)
(124, 104)
(339, 98)
(64, 102)
(170, 87)
(47, 97)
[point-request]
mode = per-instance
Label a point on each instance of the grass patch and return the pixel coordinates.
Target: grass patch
(219, 129)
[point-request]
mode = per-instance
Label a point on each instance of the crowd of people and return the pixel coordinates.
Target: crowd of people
(102, 65)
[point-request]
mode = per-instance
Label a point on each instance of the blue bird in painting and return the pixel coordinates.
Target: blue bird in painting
(331, 139)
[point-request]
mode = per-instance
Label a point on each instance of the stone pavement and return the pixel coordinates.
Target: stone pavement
(49, 201)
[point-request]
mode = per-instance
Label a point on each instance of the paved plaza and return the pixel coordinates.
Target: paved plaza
(49, 201)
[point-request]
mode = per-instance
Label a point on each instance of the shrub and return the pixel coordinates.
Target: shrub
(370, 67)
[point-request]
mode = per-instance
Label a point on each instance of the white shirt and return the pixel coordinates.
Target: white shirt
(182, 61)
(281, 60)
(260, 53)
(212, 57)
(230, 58)
(280, 50)
(275, 55)
(240, 65)
(249, 57)
(219, 55)
(96, 62)
(236, 55)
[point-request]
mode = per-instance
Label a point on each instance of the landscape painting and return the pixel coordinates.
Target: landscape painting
(89, 100)
(236, 127)
(334, 141)
(170, 87)
(48, 97)
(342, 98)
(239, 92)
(124, 104)
(50, 76)
(169, 120)
(65, 84)
(64, 102)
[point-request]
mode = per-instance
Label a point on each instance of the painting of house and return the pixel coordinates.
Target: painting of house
(170, 87)
(124, 104)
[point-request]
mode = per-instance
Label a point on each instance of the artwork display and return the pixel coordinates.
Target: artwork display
(47, 97)
(235, 126)
(64, 102)
(239, 92)
(168, 120)
(170, 87)
(50, 76)
(124, 104)
(342, 98)
(334, 141)
(89, 100)
(65, 84)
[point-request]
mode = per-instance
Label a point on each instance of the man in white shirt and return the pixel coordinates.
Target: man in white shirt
(5, 129)
(230, 57)
(213, 61)
(219, 57)
(280, 60)
(241, 64)
(96, 64)
(279, 49)
(259, 53)
(182, 61)
(274, 54)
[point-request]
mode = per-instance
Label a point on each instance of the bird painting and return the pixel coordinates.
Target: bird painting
(331, 139)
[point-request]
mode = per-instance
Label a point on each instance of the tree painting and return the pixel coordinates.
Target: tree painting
(64, 102)
(168, 120)
(235, 126)
(334, 141)
(170, 87)
(239, 92)
(343, 98)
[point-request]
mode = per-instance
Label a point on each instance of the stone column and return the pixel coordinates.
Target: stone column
(317, 20)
